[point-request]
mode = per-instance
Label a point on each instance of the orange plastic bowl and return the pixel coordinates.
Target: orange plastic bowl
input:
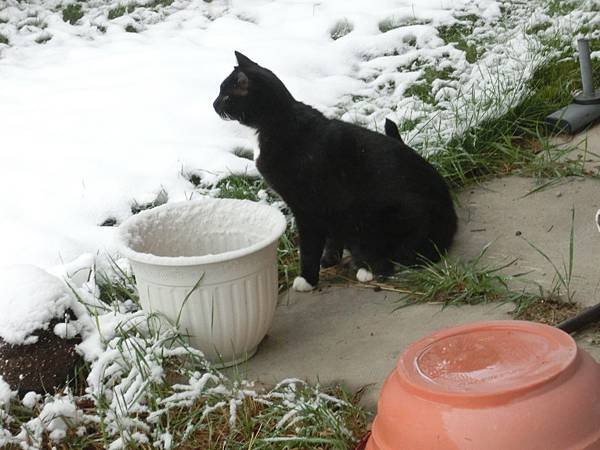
(505, 385)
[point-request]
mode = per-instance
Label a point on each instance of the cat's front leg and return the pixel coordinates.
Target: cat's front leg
(312, 241)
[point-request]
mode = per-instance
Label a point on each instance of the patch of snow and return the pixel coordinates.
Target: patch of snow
(31, 399)
(6, 394)
(30, 298)
(78, 271)
(57, 416)
(67, 330)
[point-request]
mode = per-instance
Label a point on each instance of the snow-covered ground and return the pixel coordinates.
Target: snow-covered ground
(96, 119)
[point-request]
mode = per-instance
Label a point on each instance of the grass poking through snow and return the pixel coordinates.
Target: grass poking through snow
(518, 141)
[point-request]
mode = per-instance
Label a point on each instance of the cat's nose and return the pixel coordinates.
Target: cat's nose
(217, 104)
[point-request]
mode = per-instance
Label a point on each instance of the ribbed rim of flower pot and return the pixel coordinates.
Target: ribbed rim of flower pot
(125, 233)
(483, 360)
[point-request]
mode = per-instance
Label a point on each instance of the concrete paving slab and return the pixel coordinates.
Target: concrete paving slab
(584, 146)
(501, 213)
(350, 335)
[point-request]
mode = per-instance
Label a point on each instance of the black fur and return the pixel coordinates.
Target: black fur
(347, 186)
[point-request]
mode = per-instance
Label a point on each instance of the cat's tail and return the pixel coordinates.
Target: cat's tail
(391, 130)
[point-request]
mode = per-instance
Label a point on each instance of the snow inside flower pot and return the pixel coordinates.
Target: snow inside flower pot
(211, 264)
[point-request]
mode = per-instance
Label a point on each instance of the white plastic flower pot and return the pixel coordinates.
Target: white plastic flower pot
(211, 264)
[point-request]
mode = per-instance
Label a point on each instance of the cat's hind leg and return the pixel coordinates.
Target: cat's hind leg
(370, 258)
(332, 255)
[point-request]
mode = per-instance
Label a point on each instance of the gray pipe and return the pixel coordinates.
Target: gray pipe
(585, 108)
(585, 63)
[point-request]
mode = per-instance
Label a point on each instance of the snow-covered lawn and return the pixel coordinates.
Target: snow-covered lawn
(106, 106)
(96, 119)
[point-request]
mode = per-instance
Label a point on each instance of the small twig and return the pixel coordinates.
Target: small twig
(382, 286)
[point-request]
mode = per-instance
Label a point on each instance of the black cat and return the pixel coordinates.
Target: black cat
(348, 187)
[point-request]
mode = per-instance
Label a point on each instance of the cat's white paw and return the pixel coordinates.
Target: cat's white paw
(598, 219)
(301, 285)
(364, 276)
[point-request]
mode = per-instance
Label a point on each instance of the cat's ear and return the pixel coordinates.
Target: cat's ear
(242, 81)
(243, 61)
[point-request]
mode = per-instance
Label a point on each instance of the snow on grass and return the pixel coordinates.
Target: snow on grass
(147, 386)
(97, 120)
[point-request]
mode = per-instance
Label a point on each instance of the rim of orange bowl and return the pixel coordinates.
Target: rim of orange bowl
(409, 374)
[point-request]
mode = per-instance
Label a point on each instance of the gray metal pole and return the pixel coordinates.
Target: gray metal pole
(585, 108)
(585, 63)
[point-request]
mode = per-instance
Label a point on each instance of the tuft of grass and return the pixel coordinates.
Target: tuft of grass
(72, 13)
(341, 29)
(161, 198)
(159, 3)
(393, 22)
(456, 282)
(3, 39)
(562, 276)
(358, 98)
(242, 187)
(458, 34)
(116, 286)
(192, 177)
(560, 7)
(422, 88)
(120, 10)
(43, 38)
(408, 125)
(535, 29)
(243, 152)
(288, 258)
(131, 29)
(109, 222)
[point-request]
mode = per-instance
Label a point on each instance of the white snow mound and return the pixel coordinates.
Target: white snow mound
(5, 393)
(29, 299)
